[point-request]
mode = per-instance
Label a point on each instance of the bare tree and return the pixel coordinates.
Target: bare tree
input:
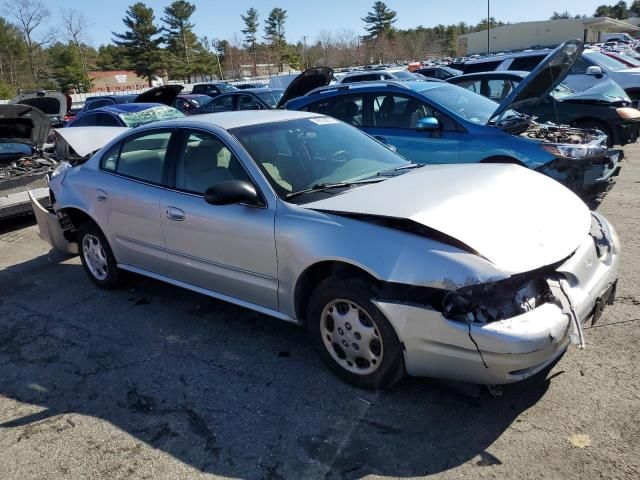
(325, 39)
(30, 15)
(76, 26)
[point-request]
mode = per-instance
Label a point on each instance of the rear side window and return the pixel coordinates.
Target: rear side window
(526, 63)
(348, 108)
(141, 157)
(106, 120)
(89, 120)
(247, 102)
(480, 67)
(224, 104)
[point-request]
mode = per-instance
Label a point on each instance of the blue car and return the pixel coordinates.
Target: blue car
(129, 115)
(430, 122)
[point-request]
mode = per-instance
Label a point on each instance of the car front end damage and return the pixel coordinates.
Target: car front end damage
(582, 160)
(507, 331)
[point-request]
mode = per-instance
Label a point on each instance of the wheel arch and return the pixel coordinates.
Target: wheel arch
(315, 274)
(72, 219)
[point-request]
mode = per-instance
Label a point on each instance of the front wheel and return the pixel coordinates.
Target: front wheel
(352, 336)
(96, 256)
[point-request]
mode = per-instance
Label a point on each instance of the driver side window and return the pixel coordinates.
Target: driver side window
(205, 161)
(399, 111)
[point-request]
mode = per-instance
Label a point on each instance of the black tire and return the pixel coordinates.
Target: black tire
(358, 293)
(598, 125)
(92, 233)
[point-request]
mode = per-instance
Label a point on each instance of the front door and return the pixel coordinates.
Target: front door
(392, 119)
(227, 249)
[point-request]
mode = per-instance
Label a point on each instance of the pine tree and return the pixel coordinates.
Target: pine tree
(380, 21)
(142, 41)
(182, 43)
(274, 33)
(250, 31)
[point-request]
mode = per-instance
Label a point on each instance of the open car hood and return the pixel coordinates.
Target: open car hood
(165, 94)
(517, 219)
(23, 124)
(52, 104)
(305, 82)
(86, 140)
(535, 87)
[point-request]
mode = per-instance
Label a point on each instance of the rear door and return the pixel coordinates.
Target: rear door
(391, 118)
(133, 179)
(227, 249)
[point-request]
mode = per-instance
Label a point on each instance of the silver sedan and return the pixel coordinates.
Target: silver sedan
(479, 273)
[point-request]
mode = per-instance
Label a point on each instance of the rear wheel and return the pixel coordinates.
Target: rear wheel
(587, 124)
(96, 256)
(352, 336)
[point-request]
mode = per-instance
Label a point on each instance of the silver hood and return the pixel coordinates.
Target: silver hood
(517, 219)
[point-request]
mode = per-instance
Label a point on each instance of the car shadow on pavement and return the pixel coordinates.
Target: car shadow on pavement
(223, 389)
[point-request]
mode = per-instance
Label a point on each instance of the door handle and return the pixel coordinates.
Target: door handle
(381, 139)
(101, 195)
(175, 214)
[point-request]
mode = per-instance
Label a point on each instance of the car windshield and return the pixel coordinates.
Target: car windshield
(471, 106)
(271, 97)
(153, 114)
(301, 154)
(606, 62)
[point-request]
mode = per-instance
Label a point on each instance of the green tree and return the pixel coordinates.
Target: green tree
(450, 44)
(14, 66)
(602, 11)
(561, 15)
(112, 57)
(67, 67)
(379, 22)
(620, 11)
(183, 47)
(250, 32)
(141, 41)
(274, 33)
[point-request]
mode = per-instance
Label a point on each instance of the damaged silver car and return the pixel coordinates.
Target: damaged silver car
(394, 268)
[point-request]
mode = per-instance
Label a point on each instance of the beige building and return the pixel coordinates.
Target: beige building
(548, 33)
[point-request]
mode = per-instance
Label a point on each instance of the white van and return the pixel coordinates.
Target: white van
(616, 37)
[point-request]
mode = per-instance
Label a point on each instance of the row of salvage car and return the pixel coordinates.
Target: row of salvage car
(483, 273)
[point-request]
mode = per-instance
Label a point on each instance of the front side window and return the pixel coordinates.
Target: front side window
(348, 108)
(298, 154)
(204, 162)
(498, 89)
(468, 105)
(247, 102)
(399, 111)
(141, 157)
(223, 104)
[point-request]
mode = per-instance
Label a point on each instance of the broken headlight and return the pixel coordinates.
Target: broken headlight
(497, 301)
(574, 152)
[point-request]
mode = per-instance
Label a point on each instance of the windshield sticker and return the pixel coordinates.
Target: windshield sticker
(324, 121)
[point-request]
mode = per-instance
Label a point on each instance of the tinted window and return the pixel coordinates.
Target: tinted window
(205, 161)
(348, 108)
(479, 67)
(106, 120)
(142, 157)
(399, 111)
(247, 102)
(580, 67)
(362, 78)
(90, 120)
(99, 103)
(224, 104)
(526, 63)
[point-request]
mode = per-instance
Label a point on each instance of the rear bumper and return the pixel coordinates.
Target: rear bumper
(19, 203)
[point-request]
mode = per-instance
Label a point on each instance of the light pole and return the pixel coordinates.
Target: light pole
(488, 27)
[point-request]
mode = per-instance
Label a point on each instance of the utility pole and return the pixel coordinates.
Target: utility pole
(488, 27)
(305, 58)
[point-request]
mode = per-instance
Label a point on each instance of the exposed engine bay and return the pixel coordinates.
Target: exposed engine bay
(564, 134)
(24, 169)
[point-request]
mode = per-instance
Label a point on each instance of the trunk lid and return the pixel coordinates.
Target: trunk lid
(52, 104)
(518, 219)
(305, 82)
(165, 94)
(23, 124)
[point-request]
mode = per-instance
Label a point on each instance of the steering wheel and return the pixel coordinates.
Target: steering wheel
(341, 156)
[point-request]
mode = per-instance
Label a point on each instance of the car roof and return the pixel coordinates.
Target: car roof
(416, 86)
(238, 119)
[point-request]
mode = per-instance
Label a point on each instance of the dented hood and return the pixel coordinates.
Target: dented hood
(517, 219)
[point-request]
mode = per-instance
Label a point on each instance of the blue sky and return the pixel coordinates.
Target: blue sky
(221, 18)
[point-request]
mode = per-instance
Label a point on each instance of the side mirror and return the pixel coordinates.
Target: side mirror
(232, 192)
(428, 124)
(595, 71)
(393, 148)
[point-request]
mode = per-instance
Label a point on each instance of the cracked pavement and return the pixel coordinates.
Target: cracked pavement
(154, 382)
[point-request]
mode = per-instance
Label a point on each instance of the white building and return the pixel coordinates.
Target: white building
(548, 33)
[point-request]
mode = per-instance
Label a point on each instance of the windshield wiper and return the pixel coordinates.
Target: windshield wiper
(320, 187)
(410, 166)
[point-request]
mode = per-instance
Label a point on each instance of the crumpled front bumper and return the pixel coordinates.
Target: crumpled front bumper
(509, 350)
